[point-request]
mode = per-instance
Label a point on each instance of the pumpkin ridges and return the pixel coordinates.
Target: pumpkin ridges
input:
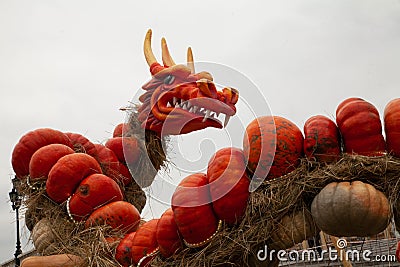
(168, 237)
(392, 126)
(144, 242)
(123, 252)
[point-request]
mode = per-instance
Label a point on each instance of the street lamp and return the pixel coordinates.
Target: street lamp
(16, 204)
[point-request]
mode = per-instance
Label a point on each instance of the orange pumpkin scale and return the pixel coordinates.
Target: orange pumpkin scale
(272, 147)
(30, 143)
(66, 175)
(93, 192)
(123, 253)
(229, 184)
(120, 215)
(360, 126)
(144, 244)
(321, 139)
(168, 237)
(193, 212)
(392, 126)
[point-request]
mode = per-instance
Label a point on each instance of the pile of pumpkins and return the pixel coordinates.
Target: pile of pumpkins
(272, 148)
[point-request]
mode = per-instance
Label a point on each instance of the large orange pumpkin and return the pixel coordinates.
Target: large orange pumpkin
(321, 139)
(93, 192)
(392, 126)
(360, 126)
(44, 159)
(123, 253)
(193, 212)
(29, 143)
(229, 184)
(351, 209)
(125, 148)
(144, 244)
(119, 215)
(272, 146)
(168, 238)
(66, 175)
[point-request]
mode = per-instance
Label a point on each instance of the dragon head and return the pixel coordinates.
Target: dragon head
(178, 100)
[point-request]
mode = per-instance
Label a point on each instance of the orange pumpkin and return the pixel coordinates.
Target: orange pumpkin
(193, 212)
(81, 143)
(321, 139)
(44, 159)
(119, 215)
(120, 129)
(144, 244)
(93, 192)
(392, 126)
(360, 126)
(168, 238)
(111, 166)
(123, 253)
(229, 184)
(66, 175)
(125, 148)
(29, 143)
(272, 146)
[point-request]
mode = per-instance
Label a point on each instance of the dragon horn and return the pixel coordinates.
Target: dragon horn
(148, 53)
(190, 61)
(166, 56)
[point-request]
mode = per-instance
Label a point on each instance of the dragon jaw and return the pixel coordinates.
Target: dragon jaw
(179, 101)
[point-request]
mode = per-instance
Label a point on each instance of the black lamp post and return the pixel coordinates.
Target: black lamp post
(16, 204)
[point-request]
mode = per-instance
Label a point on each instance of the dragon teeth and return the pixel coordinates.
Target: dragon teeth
(227, 117)
(168, 105)
(195, 109)
(174, 101)
(207, 115)
(184, 106)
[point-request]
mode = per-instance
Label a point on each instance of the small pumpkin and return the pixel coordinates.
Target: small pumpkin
(229, 184)
(168, 238)
(392, 126)
(44, 159)
(29, 143)
(144, 244)
(272, 146)
(360, 126)
(123, 252)
(125, 148)
(351, 209)
(65, 260)
(398, 251)
(66, 175)
(321, 139)
(119, 215)
(42, 235)
(120, 129)
(81, 143)
(93, 192)
(193, 212)
(292, 229)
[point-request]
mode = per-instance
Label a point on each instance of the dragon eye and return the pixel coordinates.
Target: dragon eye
(169, 79)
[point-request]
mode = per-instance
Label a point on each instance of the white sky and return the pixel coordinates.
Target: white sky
(70, 65)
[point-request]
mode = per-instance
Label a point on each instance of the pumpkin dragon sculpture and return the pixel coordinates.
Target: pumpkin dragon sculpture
(178, 100)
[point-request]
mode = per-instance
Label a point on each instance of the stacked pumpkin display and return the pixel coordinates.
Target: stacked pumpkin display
(89, 180)
(273, 150)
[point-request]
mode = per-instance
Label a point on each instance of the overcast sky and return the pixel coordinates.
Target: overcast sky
(70, 65)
